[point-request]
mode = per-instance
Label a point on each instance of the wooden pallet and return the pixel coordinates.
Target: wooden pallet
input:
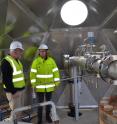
(106, 118)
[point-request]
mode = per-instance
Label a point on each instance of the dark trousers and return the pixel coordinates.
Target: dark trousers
(40, 98)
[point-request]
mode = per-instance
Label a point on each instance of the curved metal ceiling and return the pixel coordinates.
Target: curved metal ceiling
(101, 12)
(21, 15)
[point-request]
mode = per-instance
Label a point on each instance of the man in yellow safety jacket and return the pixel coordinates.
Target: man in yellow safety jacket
(44, 78)
(13, 77)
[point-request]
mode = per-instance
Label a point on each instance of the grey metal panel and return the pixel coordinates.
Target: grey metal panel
(3, 13)
(46, 13)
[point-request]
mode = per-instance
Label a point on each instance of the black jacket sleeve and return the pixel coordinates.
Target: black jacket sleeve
(7, 73)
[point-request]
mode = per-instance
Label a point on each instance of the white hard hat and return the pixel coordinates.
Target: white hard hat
(16, 44)
(43, 46)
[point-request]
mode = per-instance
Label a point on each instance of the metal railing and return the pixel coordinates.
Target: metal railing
(54, 115)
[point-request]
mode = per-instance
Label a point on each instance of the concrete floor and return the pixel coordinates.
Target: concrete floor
(89, 116)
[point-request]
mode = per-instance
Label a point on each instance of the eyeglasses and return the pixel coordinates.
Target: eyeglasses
(42, 50)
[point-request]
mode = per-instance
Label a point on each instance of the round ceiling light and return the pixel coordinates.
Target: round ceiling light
(74, 12)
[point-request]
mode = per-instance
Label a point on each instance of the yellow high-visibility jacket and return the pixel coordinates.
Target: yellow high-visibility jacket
(44, 74)
(18, 76)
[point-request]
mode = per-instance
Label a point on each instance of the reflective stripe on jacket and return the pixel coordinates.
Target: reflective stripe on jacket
(44, 74)
(18, 76)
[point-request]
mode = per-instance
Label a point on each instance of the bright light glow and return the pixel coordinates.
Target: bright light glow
(74, 12)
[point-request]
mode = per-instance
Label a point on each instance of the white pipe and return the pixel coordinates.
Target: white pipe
(53, 110)
(54, 115)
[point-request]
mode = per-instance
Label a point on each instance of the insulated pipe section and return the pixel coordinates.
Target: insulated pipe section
(68, 61)
(80, 60)
(88, 62)
(106, 67)
(112, 70)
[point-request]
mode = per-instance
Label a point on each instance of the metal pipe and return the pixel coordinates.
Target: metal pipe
(54, 115)
(107, 66)
(112, 70)
(79, 59)
(76, 94)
